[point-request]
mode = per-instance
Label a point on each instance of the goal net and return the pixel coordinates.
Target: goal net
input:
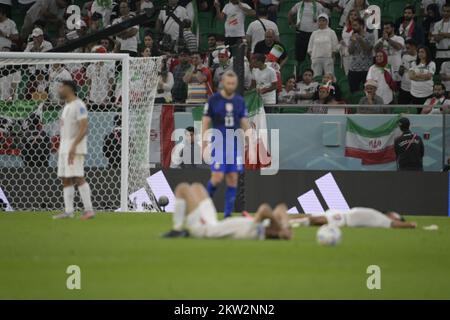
(119, 92)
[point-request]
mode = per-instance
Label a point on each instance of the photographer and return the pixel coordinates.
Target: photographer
(169, 24)
(165, 85)
(112, 144)
(35, 143)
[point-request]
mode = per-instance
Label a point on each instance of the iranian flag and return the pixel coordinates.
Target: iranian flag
(162, 125)
(372, 146)
(257, 119)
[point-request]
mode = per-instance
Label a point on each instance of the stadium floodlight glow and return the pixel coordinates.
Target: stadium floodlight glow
(124, 86)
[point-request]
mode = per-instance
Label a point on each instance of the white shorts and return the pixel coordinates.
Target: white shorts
(203, 223)
(322, 66)
(359, 217)
(76, 169)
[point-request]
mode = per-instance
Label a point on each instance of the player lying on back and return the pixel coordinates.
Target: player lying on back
(195, 212)
(355, 217)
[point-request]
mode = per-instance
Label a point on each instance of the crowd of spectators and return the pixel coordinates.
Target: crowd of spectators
(406, 61)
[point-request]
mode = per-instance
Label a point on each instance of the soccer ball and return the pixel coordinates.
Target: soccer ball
(329, 235)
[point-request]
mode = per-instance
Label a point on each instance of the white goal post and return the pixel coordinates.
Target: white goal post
(119, 91)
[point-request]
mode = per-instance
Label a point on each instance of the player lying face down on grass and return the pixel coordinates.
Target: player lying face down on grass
(196, 216)
(355, 217)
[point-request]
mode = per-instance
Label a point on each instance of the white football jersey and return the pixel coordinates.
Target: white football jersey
(72, 113)
(358, 217)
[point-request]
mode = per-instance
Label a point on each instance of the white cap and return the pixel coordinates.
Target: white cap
(371, 82)
(37, 32)
(323, 15)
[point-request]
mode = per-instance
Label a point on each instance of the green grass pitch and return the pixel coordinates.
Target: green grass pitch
(123, 256)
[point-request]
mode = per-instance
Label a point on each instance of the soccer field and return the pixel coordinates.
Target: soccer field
(123, 256)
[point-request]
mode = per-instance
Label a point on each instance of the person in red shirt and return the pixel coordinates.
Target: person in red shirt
(199, 73)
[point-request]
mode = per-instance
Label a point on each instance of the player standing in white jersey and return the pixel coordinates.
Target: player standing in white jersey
(72, 150)
(355, 217)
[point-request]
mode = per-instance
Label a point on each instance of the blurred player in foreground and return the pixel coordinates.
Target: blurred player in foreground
(355, 217)
(72, 150)
(195, 212)
(226, 110)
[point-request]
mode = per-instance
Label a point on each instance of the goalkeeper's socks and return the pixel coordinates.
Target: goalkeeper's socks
(85, 194)
(230, 197)
(69, 194)
(211, 188)
(179, 214)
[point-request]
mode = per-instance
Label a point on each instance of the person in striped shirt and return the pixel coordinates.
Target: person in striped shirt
(190, 40)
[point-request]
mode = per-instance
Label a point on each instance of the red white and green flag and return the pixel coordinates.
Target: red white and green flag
(257, 120)
(372, 146)
(162, 125)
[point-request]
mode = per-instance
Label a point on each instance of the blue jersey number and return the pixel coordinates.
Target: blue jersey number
(229, 121)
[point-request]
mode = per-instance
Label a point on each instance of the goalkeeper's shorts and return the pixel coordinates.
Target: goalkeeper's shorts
(76, 169)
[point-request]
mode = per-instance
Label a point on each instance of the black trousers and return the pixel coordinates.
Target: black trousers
(439, 62)
(233, 42)
(404, 97)
(356, 80)
(301, 45)
(130, 53)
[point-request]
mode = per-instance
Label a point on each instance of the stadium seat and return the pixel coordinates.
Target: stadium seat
(203, 41)
(294, 110)
(283, 25)
(339, 72)
(287, 39)
(287, 5)
(394, 9)
(204, 21)
(289, 69)
(355, 97)
(403, 110)
(334, 24)
(218, 26)
(380, 3)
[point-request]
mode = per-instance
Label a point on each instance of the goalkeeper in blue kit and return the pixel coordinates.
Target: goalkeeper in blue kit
(224, 111)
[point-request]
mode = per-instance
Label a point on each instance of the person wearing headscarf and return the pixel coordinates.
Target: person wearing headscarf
(381, 72)
(324, 97)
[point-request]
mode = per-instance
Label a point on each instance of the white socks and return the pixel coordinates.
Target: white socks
(85, 194)
(179, 214)
(69, 194)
